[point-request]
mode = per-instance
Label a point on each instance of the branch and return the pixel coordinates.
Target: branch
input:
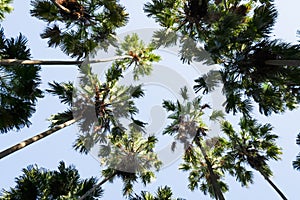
(61, 7)
(35, 138)
(58, 62)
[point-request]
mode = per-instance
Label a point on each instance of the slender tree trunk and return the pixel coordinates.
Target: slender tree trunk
(274, 187)
(218, 193)
(78, 62)
(283, 62)
(35, 138)
(58, 62)
(89, 192)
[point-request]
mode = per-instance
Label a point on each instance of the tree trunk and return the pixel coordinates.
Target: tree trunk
(35, 138)
(58, 62)
(294, 63)
(89, 192)
(60, 6)
(217, 189)
(274, 187)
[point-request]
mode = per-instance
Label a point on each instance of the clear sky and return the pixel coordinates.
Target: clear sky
(48, 152)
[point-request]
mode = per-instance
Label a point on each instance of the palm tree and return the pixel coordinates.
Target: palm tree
(189, 129)
(254, 145)
(205, 21)
(129, 156)
(39, 183)
(92, 92)
(102, 104)
(206, 172)
(79, 27)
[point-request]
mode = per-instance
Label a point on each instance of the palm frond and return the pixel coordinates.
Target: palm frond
(64, 91)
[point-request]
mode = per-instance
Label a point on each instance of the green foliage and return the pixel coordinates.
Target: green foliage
(100, 105)
(60, 118)
(142, 55)
(64, 91)
(18, 85)
(187, 127)
(162, 11)
(208, 82)
(125, 151)
(254, 145)
(236, 35)
(129, 178)
(186, 118)
(130, 156)
(200, 162)
(5, 8)
(39, 183)
(163, 193)
(89, 24)
(274, 88)
(130, 152)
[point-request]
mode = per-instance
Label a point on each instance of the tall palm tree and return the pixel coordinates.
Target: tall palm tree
(118, 99)
(254, 145)
(206, 172)
(188, 128)
(101, 104)
(129, 156)
(39, 183)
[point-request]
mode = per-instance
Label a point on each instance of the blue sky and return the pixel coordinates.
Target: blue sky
(48, 152)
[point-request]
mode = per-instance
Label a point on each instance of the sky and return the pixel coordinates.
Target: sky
(48, 152)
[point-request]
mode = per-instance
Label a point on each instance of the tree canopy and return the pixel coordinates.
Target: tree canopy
(256, 73)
